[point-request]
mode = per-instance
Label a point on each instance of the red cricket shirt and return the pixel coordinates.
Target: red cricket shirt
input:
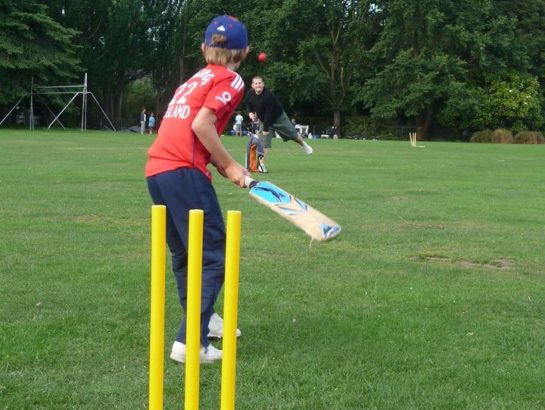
(176, 146)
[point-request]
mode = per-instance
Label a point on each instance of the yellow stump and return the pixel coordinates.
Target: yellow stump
(157, 306)
(229, 357)
(193, 314)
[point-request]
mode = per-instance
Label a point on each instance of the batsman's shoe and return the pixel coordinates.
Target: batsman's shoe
(307, 148)
(208, 354)
(215, 327)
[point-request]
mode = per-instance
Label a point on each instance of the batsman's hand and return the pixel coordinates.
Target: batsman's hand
(237, 174)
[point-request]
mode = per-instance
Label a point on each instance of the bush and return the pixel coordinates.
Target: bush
(498, 136)
(359, 128)
(529, 137)
(482, 136)
(503, 136)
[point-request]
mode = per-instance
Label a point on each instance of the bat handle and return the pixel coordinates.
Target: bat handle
(250, 182)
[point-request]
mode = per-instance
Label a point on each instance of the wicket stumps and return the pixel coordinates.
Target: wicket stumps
(412, 137)
(157, 308)
(232, 264)
(193, 314)
(230, 311)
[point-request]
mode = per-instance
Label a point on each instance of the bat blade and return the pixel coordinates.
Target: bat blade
(318, 226)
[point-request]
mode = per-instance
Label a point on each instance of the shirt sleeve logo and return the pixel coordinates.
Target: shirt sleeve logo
(224, 98)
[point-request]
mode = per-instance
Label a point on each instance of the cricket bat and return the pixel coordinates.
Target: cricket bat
(318, 226)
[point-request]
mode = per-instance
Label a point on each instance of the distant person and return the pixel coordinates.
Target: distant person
(263, 105)
(143, 120)
(178, 176)
(151, 123)
(331, 132)
(239, 119)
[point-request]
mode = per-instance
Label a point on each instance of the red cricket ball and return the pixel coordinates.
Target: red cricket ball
(262, 57)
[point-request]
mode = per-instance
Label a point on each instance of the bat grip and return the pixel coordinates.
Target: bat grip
(250, 183)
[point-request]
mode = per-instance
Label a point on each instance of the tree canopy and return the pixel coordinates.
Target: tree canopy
(33, 45)
(464, 64)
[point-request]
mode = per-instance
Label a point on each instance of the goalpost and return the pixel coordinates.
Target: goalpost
(74, 90)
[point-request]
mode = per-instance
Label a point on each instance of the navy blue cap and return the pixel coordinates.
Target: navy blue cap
(229, 27)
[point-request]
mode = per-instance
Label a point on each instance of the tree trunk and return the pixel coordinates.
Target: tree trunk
(114, 102)
(118, 106)
(423, 124)
(337, 122)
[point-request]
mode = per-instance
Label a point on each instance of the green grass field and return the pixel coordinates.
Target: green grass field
(432, 297)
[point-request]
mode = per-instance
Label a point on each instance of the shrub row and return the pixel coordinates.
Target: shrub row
(503, 136)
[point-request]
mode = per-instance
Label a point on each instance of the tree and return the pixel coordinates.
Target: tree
(335, 46)
(410, 62)
(313, 47)
(511, 101)
(433, 54)
(33, 45)
(529, 20)
(176, 37)
(114, 43)
(168, 48)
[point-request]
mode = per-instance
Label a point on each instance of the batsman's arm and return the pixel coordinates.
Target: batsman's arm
(204, 128)
(219, 168)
